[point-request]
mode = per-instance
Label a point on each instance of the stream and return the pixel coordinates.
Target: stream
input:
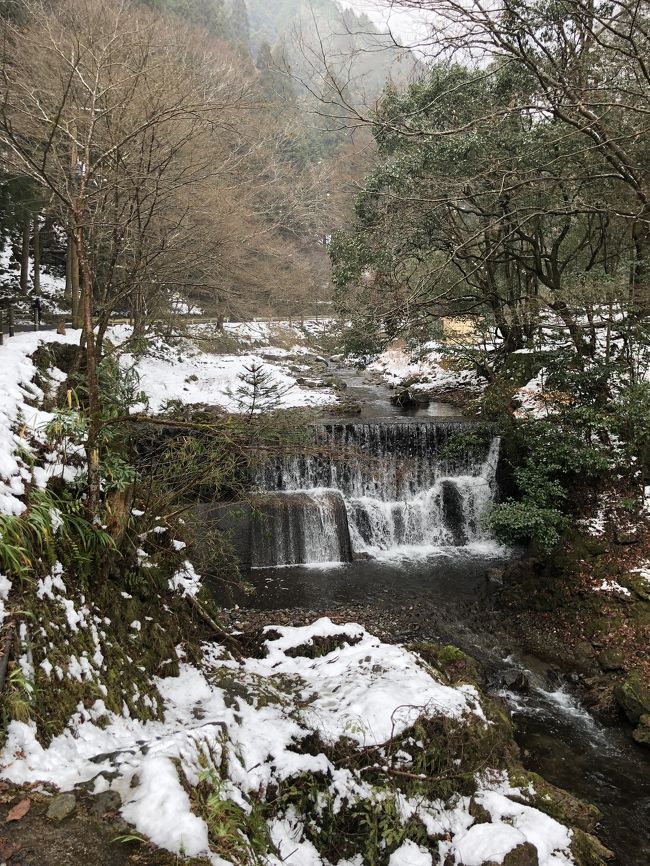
(430, 576)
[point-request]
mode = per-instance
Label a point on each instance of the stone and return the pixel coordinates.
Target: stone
(479, 813)
(61, 807)
(629, 535)
(495, 575)
(587, 850)
(637, 584)
(633, 697)
(106, 803)
(611, 660)
(583, 650)
(523, 855)
(641, 734)
(516, 680)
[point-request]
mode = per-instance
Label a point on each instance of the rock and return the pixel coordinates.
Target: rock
(106, 802)
(523, 855)
(583, 650)
(61, 807)
(516, 680)
(641, 734)
(587, 850)
(611, 660)
(479, 813)
(637, 584)
(633, 697)
(629, 535)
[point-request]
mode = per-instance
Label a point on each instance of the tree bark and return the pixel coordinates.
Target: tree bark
(36, 279)
(74, 286)
(24, 258)
(94, 405)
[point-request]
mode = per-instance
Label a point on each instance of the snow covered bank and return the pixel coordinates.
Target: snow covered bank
(188, 374)
(20, 417)
(250, 728)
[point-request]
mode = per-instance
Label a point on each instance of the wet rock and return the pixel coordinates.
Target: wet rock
(611, 660)
(633, 697)
(106, 803)
(62, 807)
(641, 733)
(516, 680)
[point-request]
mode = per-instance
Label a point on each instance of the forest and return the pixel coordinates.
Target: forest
(325, 433)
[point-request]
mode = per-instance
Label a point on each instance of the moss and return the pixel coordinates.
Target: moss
(589, 851)
(555, 802)
(452, 662)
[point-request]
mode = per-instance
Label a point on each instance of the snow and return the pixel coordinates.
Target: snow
(362, 689)
(17, 390)
(428, 366)
(5, 587)
(186, 580)
(192, 376)
(612, 586)
(410, 854)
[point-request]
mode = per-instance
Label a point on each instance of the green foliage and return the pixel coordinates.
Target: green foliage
(52, 527)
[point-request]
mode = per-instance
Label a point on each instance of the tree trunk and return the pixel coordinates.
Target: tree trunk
(36, 279)
(68, 273)
(94, 405)
(24, 258)
(74, 286)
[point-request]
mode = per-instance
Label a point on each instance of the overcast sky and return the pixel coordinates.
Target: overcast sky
(407, 25)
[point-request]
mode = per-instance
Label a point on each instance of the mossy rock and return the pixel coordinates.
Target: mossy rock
(633, 697)
(556, 802)
(449, 660)
(641, 733)
(589, 851)
(637, 584)
(611, 660)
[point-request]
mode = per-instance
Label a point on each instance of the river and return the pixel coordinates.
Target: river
(436, 590)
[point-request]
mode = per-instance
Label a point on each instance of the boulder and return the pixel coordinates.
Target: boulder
(633, 697)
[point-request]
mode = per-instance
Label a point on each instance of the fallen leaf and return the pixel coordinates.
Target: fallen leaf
(18, 812)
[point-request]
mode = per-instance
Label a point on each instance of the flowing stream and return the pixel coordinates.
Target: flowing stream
(388, 510)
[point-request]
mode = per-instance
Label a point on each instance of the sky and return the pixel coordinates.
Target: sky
(408, 25)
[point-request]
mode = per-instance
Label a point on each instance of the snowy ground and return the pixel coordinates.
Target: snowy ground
(428, 366)
(363, 690)
(191, 375)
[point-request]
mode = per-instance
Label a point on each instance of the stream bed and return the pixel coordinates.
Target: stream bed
(428, 582)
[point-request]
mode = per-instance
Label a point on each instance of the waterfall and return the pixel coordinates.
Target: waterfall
(372, 487)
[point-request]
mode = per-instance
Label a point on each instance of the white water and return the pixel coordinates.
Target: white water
(400, 492)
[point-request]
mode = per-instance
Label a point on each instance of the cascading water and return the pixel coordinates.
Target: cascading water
(372, 487)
